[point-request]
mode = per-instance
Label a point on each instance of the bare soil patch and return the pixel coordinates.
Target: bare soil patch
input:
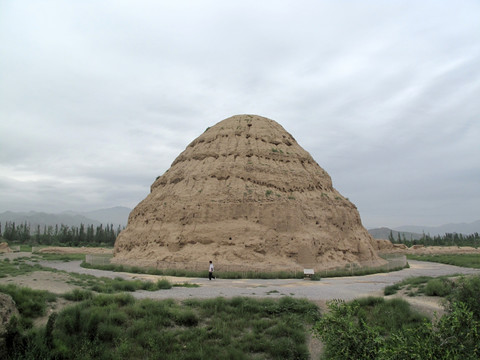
(55, 282)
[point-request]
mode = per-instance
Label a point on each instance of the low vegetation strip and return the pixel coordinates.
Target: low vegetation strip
(106, 285)
(120, 327)
(394, 265)
(110, 286)
(193, 273)
(464, 260)
(423, 285)
(17, 267)
(30, 303)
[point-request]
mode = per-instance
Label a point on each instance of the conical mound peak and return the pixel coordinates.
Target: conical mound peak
(253, 149)
(245, 193)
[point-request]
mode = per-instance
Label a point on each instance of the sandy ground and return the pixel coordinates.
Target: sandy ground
(55, 282)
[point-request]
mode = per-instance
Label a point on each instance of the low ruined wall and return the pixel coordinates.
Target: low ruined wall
(394, 261)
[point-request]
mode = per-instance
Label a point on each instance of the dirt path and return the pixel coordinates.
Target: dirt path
(346, 288)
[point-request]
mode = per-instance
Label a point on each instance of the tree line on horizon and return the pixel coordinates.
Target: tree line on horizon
(60, 235)
(448, 239)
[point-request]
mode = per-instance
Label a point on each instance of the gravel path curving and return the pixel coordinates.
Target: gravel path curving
(345, 288)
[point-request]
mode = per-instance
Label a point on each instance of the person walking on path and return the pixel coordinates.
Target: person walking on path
(210, 271)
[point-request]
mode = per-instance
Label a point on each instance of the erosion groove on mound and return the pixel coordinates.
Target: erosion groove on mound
(245, 195)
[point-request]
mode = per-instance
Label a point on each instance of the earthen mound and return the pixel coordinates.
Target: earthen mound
(4, 248)
(247, 196)
(386, 246)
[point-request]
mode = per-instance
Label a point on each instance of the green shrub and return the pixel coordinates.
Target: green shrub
(455, 336)
(438, 287)
(391, 289)
(13, 336)
(118, 327)
(414, 284)
(387, 315)
(49, 330)
(18, 267)
(30, 303)
(316, 277)
(149, 286)
(107, 332)
(118, 299)
(186, 284)
(373, 328)
(109, 286)
(370, 301)
(61, 257)
(78, 295)
(163, 284)
(346, 336)
(467, 291)
(186, 318)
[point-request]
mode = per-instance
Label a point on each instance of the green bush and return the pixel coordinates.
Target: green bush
(438, 287)
(118, 327)
(186, 318)
(18, 267)
(316, 277)
(417, 285)
(104, 327)
(377, 329)
(455, 336)
(391, 289)
(163, 284)
(61, 257)
(13, 339)
(78, 295)
(345, 335)
(117, 299)
(467, 291)
(110, 286)
(387, 315)
(30, 303)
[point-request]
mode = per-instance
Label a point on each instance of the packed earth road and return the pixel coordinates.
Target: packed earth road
(346, 288)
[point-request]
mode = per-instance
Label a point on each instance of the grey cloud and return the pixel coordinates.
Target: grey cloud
(97, 99)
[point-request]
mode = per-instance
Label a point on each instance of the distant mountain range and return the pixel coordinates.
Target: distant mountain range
(459, 228)
(118, 216)
(384, 233)
(415, 232)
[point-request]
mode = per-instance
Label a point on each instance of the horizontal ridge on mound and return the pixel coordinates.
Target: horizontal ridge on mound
(244, 192)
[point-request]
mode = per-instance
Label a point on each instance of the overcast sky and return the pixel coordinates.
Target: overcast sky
(97, 98)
